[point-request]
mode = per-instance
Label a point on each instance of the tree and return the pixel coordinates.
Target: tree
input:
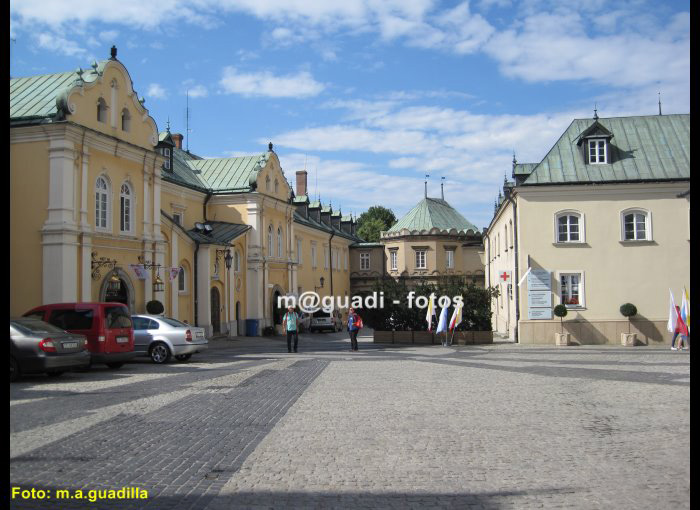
(371, 222)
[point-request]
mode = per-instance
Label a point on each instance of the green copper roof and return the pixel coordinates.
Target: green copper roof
(230, 173)
(644, 148)
(301, 199)
(37, 97)
(433, 213)
(524, 168)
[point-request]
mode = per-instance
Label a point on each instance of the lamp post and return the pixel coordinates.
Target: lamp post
(321, 281)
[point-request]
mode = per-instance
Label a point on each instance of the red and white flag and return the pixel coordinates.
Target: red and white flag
(174, 272)
(672, 315)
(456, 316)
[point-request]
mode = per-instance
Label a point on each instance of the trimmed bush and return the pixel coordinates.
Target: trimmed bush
(628, 310)
(155, 307)
(561, 311)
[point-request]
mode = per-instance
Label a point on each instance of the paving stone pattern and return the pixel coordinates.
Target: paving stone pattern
(182, 454)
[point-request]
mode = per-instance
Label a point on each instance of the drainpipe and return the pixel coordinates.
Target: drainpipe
(516, 290)
(330, 258)
(196, 250)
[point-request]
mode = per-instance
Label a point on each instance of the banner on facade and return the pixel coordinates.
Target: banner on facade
(174, 272)
(140, 271)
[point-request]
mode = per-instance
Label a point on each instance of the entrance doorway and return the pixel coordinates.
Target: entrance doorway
(119, 296)
(276, 312)
(215, 310)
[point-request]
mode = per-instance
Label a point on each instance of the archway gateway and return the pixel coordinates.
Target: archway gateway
(125, 294)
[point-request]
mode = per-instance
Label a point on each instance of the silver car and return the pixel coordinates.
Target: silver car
(161, 338)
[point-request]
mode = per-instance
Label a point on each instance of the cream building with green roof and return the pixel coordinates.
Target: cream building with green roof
(602, 220)
(433, 239)
(96, 190)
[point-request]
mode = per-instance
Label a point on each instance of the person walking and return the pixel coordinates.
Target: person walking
(681, 329)
(290, 322)
(354, 326)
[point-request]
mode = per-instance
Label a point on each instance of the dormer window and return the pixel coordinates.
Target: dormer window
(166, 152)
(597, 151)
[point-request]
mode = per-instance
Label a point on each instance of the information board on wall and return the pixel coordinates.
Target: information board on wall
(539, 294)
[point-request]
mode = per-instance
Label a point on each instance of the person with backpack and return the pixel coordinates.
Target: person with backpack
(354, 326)
(290, 322)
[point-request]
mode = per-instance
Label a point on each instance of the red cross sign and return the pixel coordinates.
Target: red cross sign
(505, 276)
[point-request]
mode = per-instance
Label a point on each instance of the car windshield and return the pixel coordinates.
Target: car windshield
(35, 326)
(173, 322)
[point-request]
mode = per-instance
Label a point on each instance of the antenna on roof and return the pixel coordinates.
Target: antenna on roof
(426, 185)
(187, 120)
(659, 103)
(595, 111)
(442, 189)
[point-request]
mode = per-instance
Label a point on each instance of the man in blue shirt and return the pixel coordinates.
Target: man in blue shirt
(290, 321)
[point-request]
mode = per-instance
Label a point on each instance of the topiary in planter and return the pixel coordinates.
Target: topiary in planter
(628, 310)
(561, 311)
(155, 307)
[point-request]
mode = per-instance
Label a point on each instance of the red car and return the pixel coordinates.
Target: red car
(107, 326)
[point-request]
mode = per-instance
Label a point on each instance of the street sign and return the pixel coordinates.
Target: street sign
(539, 294)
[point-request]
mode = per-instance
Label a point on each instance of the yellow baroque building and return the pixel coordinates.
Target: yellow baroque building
(106, 208)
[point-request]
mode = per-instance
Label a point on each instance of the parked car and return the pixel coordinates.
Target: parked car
(304, 322)
(107, 327)
(160, 338)
(322, 320)
(37, 347)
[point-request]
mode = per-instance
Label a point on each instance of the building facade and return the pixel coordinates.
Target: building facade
(98, 195)
(602, 220)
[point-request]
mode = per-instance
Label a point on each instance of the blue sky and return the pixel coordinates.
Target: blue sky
(370, 95)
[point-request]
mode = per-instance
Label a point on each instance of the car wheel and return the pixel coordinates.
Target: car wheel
(159, 353)
(115, 365)
(183, 357)
(54, 374)
(15, 372)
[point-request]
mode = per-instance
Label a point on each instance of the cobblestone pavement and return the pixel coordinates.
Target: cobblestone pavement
(247, 425)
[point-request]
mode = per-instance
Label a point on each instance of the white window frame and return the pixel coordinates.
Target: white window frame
(280, 242)
(126, 120)
(182, 281)
(365, 261)
(394, 260)
(593, 146)
(107, 193)
(647, 225)
(450, 259)
(166, 152)
(581, 288)
(236, 261)
(581, 226)
(177, 218)
(126, 208)
(102, 110)
(270, 245)
(313, 254)
(326, 256)
(421, 259)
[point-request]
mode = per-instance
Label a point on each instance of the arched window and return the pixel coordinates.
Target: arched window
(102, 205)
(277, 185)
(126, 120)
(569, 227)
(270, 246)
(511, 233)
(636, 225)
(181, 280)
(279, 241)
(125, 208)
(236, 261)
(101, 110)
(267, 183)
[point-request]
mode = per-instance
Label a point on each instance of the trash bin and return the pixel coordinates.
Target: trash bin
(251, 327)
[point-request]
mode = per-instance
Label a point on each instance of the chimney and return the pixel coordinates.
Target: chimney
(301, 183)
(177, 138)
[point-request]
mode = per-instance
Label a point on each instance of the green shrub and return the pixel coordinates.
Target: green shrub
(628, 310)
(561, 311)
(155, 307)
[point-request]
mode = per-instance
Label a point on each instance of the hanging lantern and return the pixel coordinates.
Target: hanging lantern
(158, 285)
(228, 258)
(114, 284)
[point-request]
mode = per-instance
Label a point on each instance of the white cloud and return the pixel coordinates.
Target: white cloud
(109, 35)
(197, 91)
(156, 91)
(265, 84)
(59, 44)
